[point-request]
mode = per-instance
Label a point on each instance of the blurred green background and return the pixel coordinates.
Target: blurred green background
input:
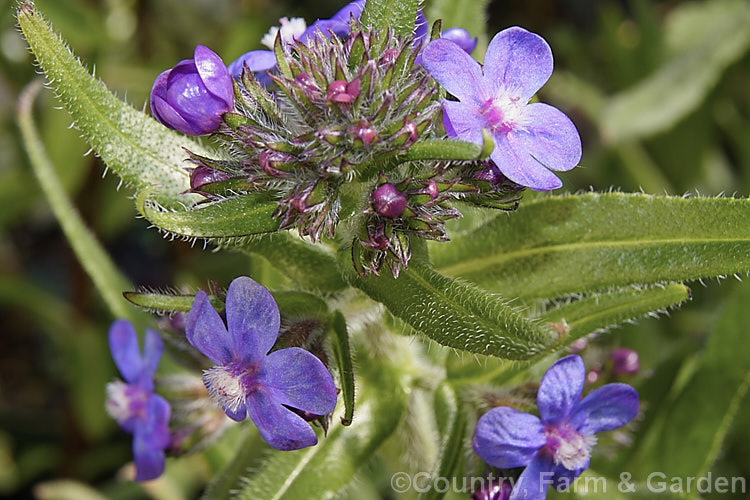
(660, 91)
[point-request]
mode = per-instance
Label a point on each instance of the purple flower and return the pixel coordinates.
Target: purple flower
(388, 201)
(556, 448)
(133, 403)
(530, 139)
(193, 96)
(462, 38)
(247, 379)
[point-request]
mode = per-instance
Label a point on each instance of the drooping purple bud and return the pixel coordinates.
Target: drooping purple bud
(407, 135)
(460, 37)
(625, 361)
(202, 175)
(377, 239)
(490, 174)
(495, 489)
(388, 201)
(432, 189)
(307, 84)
(275, 163)
(343, 93)
(389, 57)
(363, 133)
(193, 96)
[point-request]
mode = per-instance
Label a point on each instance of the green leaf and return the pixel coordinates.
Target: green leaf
(165, 302)
(579, 244)
(136, 147)
(594, 313)
(451, 312)
(94, 259)
(220, 221)
(398, 15)
(680, 85)
(452, 423)
(311, 267)
(470, 15)
(441, 149)
(324, 470)
(344, 362)
(702, 414)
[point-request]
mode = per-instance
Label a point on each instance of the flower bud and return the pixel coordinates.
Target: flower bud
(625, 361)
(193, 96)
(388, 201)
(343, 93)
(307, 84)
(363, 133)
(460, 37)
(495, 489)
(407, 136)
(202, 175)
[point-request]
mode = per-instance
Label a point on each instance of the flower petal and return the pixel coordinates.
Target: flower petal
(150, 438)
(258, 61)
(462, 121)
(455, 71)
(123, 343)
(518, 165)
(214, 74)
(560, 389)
(518, 63)
(534, 480)
(252, 319)
(300, 380)
(549, 136)
(169, 117)
(199, 107)
(280, 427)
(506, 437)
(153, 347)
(206, 332)
(606, 408)
(351, 9)
(563, 477)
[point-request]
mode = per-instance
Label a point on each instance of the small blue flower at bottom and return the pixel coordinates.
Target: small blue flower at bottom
(247, 379)
(133, 403)
(556, 448)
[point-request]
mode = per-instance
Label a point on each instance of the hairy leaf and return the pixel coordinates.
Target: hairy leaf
(344, 361)
(451, 312)
(579, 244)
(136, 147)
(219, 221)
(398, 15)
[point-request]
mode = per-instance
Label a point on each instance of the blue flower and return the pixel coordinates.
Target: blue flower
(530, 139)
(193, 96)
(133, 403)
(247, 379)
(556, 448)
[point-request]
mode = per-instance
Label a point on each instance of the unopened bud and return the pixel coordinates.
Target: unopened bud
(363, 133)
(343, 93)
(407, 136)
(625, 361)
(388, 201)
(201, 175)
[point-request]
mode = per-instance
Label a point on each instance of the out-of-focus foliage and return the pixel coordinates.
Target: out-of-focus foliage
(658, 90)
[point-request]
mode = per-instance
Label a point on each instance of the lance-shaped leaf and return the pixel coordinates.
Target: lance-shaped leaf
(163, 303)
(597, 312)
(452, 312)
(398, 15)
(701, 417)
(441, 149)
(579, 244)
(324, 470)
(451, 422)
(219, 221)
(344, 361)
(312, 267)
(136, 147)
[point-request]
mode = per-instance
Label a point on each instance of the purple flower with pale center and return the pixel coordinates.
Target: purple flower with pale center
(133, 403)
(193, 96)
(247, 379)
(530, 139)
(555, 448)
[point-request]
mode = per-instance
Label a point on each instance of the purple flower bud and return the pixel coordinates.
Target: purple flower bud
(625, 361)
(259, 62)
(593, 375)
(490, 174)
(495, 489)
(307, 84)
(343, 93)
(362, 131)
(388, 201)
(274, 162)
(193, 96)
(202, 175)
(377, 239)
(460, 37)
(432, 189)
(389, 57)
(407, 135)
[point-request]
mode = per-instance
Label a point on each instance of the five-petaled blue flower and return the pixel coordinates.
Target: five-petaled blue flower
(556, 448)
(133, 403)
(248, 380)
(193, 96)
(530, 139)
